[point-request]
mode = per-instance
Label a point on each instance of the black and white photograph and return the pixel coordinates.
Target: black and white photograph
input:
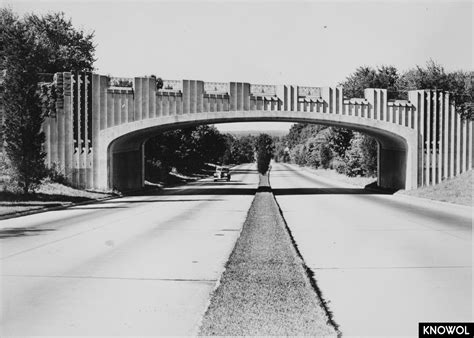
(236, 168)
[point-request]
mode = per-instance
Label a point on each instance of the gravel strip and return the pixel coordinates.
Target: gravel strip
(265, 289)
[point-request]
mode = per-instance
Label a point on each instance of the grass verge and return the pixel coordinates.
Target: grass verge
(456, 190)
(48, 195)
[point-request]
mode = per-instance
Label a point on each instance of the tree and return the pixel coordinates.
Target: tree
(385, 77)
(264, 148)
(24, 138)
(28, 47)
(243, 149)
(65, 48)
(434, 76)
(340, 140)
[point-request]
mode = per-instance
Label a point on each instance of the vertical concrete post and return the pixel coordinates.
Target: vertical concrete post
(110, 109)
(145, 94)
(464, 166)
(440, 136)
(61, 122)
(166, 105)
(69, 143)
(186, 96)
(138, 98)
(340, 100)
(452, 148)
(246, 96)
(332, 107)
(96, 91)
(123, 107)
(151, 97)
(158, 100)
(434, 159)
(326, 93)
(470, 143)
(199, 94)
(117, 107)
(369, 95)
(458, 143)
(446, 136)
(428, 137)
(47, 140)
(103, 101)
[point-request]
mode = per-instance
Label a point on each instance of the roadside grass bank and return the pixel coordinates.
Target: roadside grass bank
(456, 190)
(265, 288)
(48, 196)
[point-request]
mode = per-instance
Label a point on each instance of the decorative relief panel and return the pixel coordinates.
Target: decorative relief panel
(172, 84)
(216, 87)
(309, 91)
(262, 90)
(121, 82)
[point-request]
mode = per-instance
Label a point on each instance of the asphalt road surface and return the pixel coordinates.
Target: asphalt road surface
(383, 263)
(144, 265)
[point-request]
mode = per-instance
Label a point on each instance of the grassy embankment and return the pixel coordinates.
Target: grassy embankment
(48, 195)
(456, 190)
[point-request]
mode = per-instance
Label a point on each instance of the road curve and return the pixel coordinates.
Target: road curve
(142, 265)
(382, 262)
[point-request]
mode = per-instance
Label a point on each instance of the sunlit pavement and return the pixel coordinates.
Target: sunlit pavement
(142, 265)
(383, 262)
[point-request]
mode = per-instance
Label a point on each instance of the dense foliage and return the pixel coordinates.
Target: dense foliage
(190, 151)
(29, 47)
(23, 116)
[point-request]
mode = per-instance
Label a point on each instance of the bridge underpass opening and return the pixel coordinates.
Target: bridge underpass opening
(126, 155)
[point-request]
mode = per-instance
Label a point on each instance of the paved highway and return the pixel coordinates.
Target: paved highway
(143, 265)
(382, 262)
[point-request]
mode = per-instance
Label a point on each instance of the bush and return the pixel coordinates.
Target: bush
(54, 175)
(325, 155)
(339, 165)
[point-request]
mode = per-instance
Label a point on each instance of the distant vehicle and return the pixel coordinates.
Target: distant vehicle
(222, 173)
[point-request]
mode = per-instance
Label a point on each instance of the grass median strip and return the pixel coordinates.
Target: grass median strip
(265, 289)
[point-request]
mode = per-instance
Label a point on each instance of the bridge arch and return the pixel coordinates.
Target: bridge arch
(96, 132)
(125, 143)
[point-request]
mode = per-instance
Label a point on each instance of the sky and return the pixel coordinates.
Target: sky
(311, 43)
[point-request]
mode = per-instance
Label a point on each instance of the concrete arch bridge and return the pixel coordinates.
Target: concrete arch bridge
(97, 132)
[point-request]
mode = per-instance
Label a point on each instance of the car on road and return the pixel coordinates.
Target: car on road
(222, 173)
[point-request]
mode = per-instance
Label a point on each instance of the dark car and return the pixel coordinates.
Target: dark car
(222, 173)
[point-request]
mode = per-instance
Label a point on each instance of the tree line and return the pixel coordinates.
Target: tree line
(353, 153)
(189, 151)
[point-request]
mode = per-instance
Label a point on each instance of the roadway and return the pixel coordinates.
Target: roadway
(383, 263)
(139, 265)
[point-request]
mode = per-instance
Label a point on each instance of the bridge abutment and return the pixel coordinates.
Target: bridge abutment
(127, 169)
(392, 168)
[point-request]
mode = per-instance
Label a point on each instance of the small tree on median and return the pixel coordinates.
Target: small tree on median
(264, 148)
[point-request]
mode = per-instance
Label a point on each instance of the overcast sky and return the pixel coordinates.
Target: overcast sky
(299, 42)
